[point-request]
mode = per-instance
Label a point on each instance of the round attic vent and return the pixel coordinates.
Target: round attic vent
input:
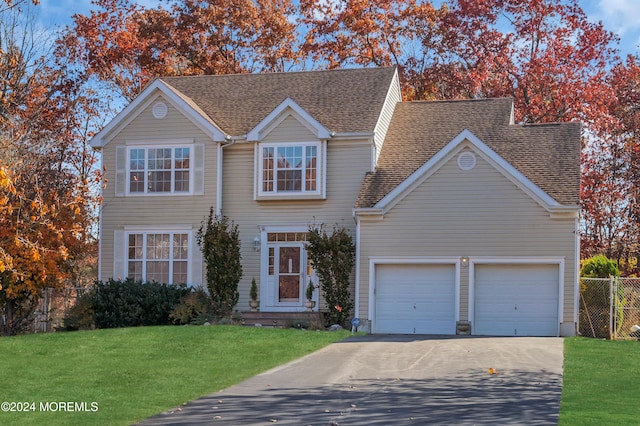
(466, 161)
(160, 110)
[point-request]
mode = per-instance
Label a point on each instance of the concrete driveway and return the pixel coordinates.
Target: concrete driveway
(396, 380)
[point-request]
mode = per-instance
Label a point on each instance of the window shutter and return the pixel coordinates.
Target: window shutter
(195, 256)
(119, 255)
(121, 170)
(198, 169)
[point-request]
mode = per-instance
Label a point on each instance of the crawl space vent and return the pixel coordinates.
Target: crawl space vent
(466, 161)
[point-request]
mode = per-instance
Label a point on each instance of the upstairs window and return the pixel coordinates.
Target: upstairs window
(290, 169)
(157, 170)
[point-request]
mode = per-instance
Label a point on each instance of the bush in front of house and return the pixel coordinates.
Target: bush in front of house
(131, 303)
(194, 309)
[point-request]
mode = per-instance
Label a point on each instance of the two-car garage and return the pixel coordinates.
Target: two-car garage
(504, 299)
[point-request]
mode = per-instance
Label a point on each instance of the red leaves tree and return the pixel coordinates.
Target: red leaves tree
(611, 172)
(45, 205)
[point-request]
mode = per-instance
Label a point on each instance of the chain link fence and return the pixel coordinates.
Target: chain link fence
(610, 308)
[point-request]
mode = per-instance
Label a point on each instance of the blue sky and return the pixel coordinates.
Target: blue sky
(619, 16)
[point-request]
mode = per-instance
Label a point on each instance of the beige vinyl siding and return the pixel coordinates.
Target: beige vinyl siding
(289, 130)
(393, 97)
(347, 162)
(149, 210)
(475, 213)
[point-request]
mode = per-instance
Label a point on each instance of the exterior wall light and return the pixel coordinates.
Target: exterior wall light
(256, 244)
(465, 261)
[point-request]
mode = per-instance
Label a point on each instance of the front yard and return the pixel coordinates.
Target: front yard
(120, 376)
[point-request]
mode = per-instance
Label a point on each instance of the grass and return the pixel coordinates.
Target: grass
(600, 385)
(134, 373)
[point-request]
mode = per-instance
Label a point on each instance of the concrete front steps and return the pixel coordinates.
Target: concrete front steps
(313, 320)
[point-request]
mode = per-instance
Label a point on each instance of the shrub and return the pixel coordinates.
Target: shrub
(194, 308)
(219, 241)
(599, 266)
(333, 258)
(80, 316)
(132, 303)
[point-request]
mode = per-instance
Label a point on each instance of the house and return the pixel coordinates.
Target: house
(462, 219)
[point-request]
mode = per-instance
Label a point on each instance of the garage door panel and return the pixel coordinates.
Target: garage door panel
(416, 299)
(516, 300)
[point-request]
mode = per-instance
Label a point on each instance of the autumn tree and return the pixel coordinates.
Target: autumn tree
(611, 172)
(45, 207)
(125, 45)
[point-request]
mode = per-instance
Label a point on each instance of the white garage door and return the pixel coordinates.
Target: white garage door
(516, 300)
(415, 299)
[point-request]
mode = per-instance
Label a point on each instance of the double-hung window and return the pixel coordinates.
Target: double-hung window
(160, 170)
(161, 257)
(290, 169)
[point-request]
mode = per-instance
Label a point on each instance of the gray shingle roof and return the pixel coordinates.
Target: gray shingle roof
(547, 154)
(347, 100)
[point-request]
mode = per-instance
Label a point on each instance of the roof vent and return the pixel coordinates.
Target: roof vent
(466, 161)
(159, 110)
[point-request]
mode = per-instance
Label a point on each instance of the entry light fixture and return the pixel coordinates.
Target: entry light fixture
(256, 243)
(465, 261)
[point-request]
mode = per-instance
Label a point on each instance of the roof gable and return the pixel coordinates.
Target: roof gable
(455, 146)
(547, 155)
(287, 108)
(144, 100)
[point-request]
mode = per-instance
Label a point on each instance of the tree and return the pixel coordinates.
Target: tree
(45, 208)
(220, 244)
(611, 172)
(545, 54)
(125, 44)
(333, 258)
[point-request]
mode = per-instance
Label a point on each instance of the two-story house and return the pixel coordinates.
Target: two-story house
(459, 215)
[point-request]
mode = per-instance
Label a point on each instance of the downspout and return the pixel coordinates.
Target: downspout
(219, 180)
(357, 283)
(230, 141)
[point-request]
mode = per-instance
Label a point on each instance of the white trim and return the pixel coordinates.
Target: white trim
(356, 301)
(287, 108)
(173, 145)
(163, 229)
(516, 260)
(451, 149)
(149, 95)
(320, 192)
(264, 269)
(411, 260)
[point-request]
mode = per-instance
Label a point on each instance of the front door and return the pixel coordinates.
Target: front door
(287, 273)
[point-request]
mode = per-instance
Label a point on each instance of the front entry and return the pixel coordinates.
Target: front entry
(288, 272)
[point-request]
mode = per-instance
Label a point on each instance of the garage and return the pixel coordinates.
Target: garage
(415, 299)
(516, 300)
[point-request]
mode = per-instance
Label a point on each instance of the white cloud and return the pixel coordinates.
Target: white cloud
(620, 16)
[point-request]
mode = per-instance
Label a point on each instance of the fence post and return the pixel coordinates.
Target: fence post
(611, 305)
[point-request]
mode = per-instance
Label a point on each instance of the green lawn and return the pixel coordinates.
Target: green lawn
(601, 383)
(129, 374)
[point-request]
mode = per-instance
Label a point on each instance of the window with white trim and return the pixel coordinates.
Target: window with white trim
(161, 257)
(290, 169)
(158, 170)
